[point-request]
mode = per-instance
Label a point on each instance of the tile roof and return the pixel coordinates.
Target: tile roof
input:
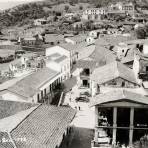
(10, 123)
(119, 95)
(85, 52)
(43, 127)
(67, 46)
(77, 47)
(78, 38)
(29, 85)
(87, 63)
(112, 71)
(102, 55)
(3, 137)
(113, 39)
(8, 108)
(53, 38)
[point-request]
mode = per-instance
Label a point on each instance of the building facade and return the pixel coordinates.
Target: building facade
(109, 111)
(93, 13)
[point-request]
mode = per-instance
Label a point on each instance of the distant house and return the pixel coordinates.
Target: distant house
(40, 22)
(53, 39)
(31, 41)
(123, 6)
(39, 126)
(76, 39)
(36, 87)
(93, 13)
(78, 25)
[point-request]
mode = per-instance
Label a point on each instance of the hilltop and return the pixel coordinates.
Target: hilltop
(26, 13)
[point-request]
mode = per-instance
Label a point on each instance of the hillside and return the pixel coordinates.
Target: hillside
(24, 14)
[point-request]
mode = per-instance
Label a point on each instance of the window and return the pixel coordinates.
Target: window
(123, 84)
(38, 98)
(45, 91)
(42, 94)
(146, 68)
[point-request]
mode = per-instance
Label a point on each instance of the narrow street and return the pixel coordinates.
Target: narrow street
(83, 122)
(82, 138)
(83, 127)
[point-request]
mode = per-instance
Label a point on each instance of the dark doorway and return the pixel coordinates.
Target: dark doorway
(123, 136)
(85, 83)
(123, 117)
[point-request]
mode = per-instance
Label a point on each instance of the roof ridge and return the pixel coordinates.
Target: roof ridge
(5, 125)
(34, 108)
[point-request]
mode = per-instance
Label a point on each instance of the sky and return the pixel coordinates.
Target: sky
(5, 4)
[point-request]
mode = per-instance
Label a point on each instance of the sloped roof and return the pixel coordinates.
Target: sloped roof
(67, 46)
(53, 38)
(42, 127)
(87, 63)
(29, 85)
(78, 38)
(119, 95)
(3, 144)
(8, 108)
(102, 55)
(112, 71)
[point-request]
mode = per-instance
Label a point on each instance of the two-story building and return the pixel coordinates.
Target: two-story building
(93, 13)
(65, 49)
(60, 63)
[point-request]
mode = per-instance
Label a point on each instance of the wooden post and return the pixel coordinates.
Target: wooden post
(96, 135)
(96, 124)
(131, 126)
(114, 125)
